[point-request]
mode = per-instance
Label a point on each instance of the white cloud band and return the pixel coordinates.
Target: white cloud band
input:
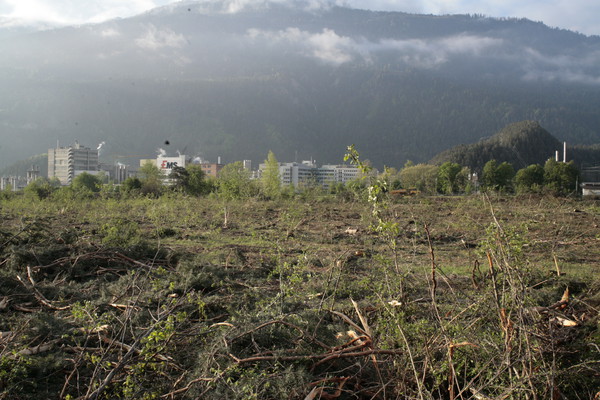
(155, 39)
(332, 48)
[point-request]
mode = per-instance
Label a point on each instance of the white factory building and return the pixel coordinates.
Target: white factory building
(307, 173)
(65, 163)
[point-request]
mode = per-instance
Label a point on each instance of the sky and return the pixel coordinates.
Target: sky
(576, 15)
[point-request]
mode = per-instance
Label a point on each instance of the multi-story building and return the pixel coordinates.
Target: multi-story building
(328, 174)
(211, 169)
(307, 173)
(65, 163)
(297, 174)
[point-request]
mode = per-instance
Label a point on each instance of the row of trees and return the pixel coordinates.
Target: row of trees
(554, 177)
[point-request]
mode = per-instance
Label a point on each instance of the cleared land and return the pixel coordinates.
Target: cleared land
(196, 298)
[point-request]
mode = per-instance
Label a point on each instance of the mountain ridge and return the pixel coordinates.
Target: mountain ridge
(399, 86)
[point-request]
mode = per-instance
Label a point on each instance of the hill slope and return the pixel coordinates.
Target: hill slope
(521, 144)
(301, 82)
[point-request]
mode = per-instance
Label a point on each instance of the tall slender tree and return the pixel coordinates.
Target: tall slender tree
(270, 179)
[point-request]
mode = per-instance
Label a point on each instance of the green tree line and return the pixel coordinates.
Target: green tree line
(235, 182)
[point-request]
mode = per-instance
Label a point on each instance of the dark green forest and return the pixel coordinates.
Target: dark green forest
(399, 86)
(520, 144)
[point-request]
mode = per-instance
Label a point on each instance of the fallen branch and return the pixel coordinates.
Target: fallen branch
(187, 387)
(363, 341)
(41, 348)
(123, 307)
(125, 359)
(130, 260)
(320, 393)
(6, 334)
(4, 303)
(478, 395)
(303, 334)
(350, 322)
(222, 324)
(96, 255)
(321, 357)
(363, 320)
(126, 347)
(25, 309)
(37, 293)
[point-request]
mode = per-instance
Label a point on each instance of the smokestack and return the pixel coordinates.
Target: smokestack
(219, 160)
(564, 152)
(556, 156)
(99, 148)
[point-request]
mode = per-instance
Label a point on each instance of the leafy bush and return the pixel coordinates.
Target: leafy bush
(121, 233)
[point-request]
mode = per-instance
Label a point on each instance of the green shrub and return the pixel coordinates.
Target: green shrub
(121, 233)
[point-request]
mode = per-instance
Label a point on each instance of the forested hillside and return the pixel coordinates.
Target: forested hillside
(301, 82)
(520, 144)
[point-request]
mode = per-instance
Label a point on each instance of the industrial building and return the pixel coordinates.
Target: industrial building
(307, 173)
(65, 163)
(211, 169)
(10, 182)
(16, 183)
(590, 189)
(166, 164)
(117, 173)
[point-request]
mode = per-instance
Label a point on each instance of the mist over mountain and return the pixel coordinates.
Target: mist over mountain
(303, 80)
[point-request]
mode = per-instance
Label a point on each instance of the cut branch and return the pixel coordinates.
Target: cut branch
(320, 357)
(39, 296)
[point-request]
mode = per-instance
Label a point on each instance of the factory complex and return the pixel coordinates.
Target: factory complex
(65, 163)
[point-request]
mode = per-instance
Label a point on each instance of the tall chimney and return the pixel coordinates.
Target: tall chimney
(564, 152)
(556, 156)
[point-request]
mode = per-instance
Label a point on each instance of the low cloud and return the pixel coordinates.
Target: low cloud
(155, 39)
(108, 55)
(110, 33)
(332, 48)
(326, 46)
(430, 53)
(235, 6)
(329, 47)
(563, 67)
